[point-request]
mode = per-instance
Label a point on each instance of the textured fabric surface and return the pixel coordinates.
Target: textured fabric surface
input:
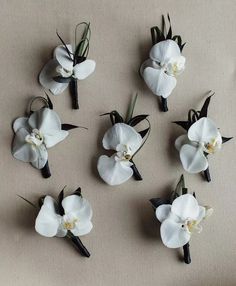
(125, 242)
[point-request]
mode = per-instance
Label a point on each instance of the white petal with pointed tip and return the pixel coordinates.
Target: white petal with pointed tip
(193, 159)
(123, 134)
(185, 207)
(84, 69)
(46, 78)
(114, 172)
(63, 58)
(163, 51)
(163, 212)
(173, 235)
(22, 150)
(47, 221)
(203, 130)
(159, 82)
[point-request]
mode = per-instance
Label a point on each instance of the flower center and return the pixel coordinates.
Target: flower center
(210, 147)
(70, 224)
(35, 138)
(124, 153)
(191, 226)
(63, 72)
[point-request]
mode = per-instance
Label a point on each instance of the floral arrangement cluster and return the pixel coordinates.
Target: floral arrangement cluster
(179, 214)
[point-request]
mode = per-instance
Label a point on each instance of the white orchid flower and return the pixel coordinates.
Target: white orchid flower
(76, 219)
(203, 138)
(125, 140)
(62, 65)
(34, 135)
(164, 64)
(180, 220)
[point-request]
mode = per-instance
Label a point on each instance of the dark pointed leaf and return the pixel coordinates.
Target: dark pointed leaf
(67, 50)
(67, 127)
(183, 124)
(226, 139)
(157, 35)
(156, 202)
(50, 105)
(204, 110)
(78, 192)
(169, 34)
(144, 132)
(60, 199)
(30, 203)
(182, 47)
(137, 119)
(61, 79)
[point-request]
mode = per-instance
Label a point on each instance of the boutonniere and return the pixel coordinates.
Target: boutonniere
(69, 65)
(180, 217)
(125, 141)
(37, 132)
(67, 216)
(203, 138)
(165, 62)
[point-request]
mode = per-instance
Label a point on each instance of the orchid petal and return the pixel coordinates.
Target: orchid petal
(203, 130)
(53, 137)
(201, 214)
(163, 212)
(186, 207)
(63, 58)
(21, 122)
(193, 159)
(173, 235)
(22, 150)
(112, 171)
(77, 206)
(84, 69)
(82, 228)
(181, 140)
(159, 82)
(42, 157)
(47, 221)
(45, 120)
(163, 51)
(46, 78)
(61, 232)
(122, 134)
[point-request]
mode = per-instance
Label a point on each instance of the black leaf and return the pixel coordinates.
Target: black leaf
(183, 124)
(181, 48)
(156, 202)
(60, 198)
(66, 126)
(226, 139)
(78, 192)
(204, 110)
(137, 119)
(169, 34)
(144, 132)
(50, 105)
(67, 50)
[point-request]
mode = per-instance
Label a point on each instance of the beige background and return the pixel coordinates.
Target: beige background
(125, 244)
